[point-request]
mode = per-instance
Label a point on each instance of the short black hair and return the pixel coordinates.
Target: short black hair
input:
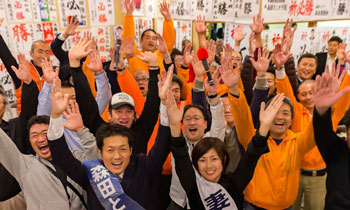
(174, 53)
(66, 84)
(206, 144)
(108, 130)
(286, 100)
(197, 106)
(38, 119)
(119, 27)
(178, 81)
(335, 39)
(308, 55)
(150, 29)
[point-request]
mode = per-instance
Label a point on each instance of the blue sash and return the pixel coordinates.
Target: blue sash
(107, 187)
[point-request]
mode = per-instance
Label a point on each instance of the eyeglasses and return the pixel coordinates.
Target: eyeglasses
(195, 118)
(142, 80)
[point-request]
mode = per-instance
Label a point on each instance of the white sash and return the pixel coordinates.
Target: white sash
(213, 195)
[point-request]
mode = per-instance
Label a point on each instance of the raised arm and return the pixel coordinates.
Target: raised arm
(61, 155)
(57, 43)
(168, 26)
(90, 113)
(8, 60)
(258, 146)
(201, 28)
(145, 124)
(239, 107)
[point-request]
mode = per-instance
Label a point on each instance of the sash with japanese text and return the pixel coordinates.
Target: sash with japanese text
(213, 195)
(107, 187)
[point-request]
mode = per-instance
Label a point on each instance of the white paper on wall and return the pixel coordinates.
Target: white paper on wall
(202, 7)
(181, 9)
(75, 8)
(223, 10)
(245, 10)
(275, 11)
(183, 31)
(101, 12)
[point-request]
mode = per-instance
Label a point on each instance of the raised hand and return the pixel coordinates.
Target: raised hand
(59, 101)
(239, 34)
(198, 67)
(22, 72)
(229, 76)
(175, 114)
(287, 29)
(212, 90)
(323, 93)
(79, 51)
(164, 83)
(164, 10)
(72, 24)
(1, 21)
(262, 64)
(258, 24)
(129, 6)
(201, 27)
(337, 79)
(252, 44)
(95, 64)
(48, 72)
(340, 52)
(268, 114)
(128, 46)
(211, 48)
(279, 58)
(73, 117)
(162, 45)
(346, 55)
(188, 55)
(149, 57)
(227, 51)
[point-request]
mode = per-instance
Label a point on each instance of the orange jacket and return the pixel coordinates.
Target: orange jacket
(313, 159)
(36, 78)
(274, 185)
(135, 63)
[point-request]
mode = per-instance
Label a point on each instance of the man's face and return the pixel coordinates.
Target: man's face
(271, 82)
(70, 91)
(38, 140)
(194, 124)
(2, 107)
(175, 89)
(41, 51)
(306, 68)
(282, 121)
(123, 115)
(179, 60)
(237, 59)
(332, 47)
(116, 154)
(210, 166)
(305, 95)
(149, 41)
(142, 79)
(227, 110)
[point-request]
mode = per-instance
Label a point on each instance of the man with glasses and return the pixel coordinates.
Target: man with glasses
(142, 78)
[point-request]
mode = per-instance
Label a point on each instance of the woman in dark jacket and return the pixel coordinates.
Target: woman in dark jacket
(210, 159)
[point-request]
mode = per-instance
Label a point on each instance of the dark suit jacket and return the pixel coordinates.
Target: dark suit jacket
(322, 61)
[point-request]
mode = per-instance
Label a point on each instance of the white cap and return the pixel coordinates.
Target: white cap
(120, 99)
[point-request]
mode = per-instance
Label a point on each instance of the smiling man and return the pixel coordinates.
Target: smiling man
(313, 168)
(306, 67)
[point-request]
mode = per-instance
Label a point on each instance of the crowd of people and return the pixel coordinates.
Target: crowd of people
(176, 128)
